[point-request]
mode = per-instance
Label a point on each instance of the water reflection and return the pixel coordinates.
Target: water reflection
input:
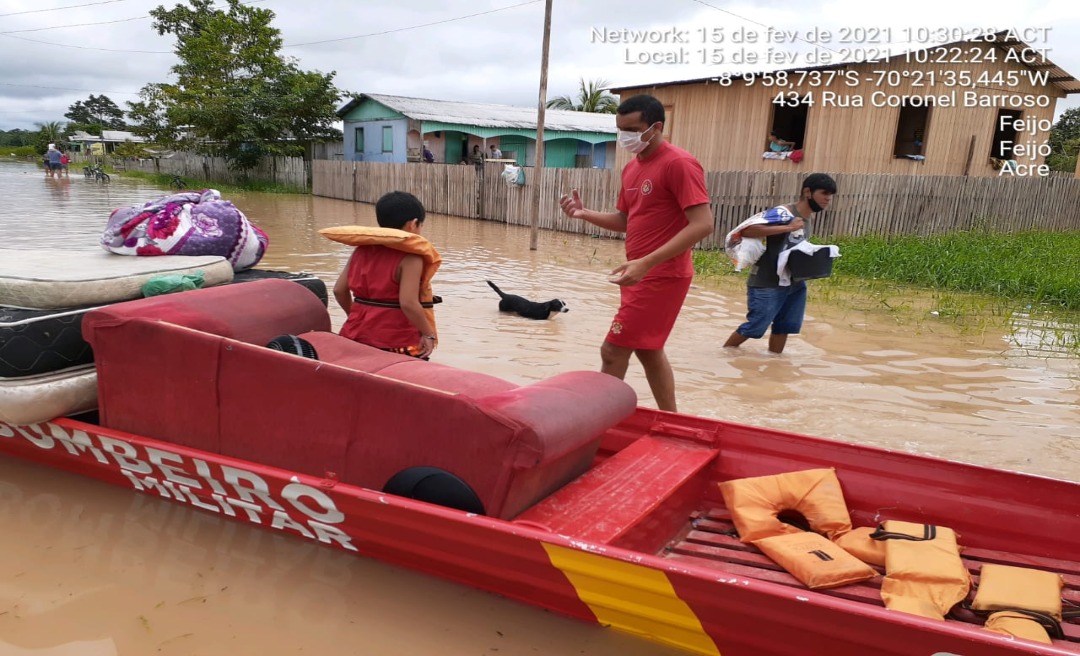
(98, 570)
(90, 569)
(853, 375)
(1045, 337)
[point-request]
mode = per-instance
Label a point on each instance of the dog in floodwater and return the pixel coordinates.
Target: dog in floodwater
(525, 307)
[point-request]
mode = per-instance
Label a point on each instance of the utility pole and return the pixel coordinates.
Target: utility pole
(538, 174)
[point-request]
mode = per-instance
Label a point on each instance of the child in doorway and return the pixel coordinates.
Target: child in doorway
(383, 286)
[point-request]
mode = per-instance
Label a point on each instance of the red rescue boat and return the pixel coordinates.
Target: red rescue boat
(561, 493)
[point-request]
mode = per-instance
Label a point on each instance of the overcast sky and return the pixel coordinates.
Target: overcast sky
(55, 52)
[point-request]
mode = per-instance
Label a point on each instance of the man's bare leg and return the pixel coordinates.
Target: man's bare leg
(614, 360)
(660, 376)
(777, 342)
(735, 340)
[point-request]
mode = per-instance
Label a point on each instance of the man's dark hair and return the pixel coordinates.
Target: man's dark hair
(652, 110)
(397, 208)
(822, 181)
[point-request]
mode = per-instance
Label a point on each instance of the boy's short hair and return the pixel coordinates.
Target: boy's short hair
(397, 208)
(652, 110)
(822, 181)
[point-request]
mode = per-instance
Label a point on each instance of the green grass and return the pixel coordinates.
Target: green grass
(973, 280)
(165, 180)
(1030, 268)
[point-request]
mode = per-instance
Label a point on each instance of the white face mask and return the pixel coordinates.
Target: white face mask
(632, 141)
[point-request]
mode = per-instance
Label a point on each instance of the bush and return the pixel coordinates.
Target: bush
(19, 151)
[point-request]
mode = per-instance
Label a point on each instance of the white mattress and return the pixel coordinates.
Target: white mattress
(34, 399)
(53, 279)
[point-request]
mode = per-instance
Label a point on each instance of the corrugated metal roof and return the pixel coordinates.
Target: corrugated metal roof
(108, 135)
(1057, 75)
(492, 116)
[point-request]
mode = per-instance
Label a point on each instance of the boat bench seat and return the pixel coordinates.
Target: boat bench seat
(634, 499)
(192, 369)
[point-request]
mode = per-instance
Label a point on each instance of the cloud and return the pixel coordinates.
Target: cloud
(490, 57)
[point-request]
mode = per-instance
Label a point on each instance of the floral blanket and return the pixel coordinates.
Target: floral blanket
(189, 223)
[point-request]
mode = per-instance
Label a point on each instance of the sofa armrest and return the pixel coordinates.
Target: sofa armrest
(254, 312)
(563, 411)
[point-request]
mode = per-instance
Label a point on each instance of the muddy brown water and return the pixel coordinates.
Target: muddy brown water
(91, 570)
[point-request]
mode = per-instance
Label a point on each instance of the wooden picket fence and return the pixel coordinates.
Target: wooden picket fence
(289, 171)
(866, 204)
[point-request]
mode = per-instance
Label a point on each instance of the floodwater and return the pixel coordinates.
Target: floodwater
(89, 569)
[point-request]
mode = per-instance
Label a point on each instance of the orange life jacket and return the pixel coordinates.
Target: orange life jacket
(756, 502)
(1023, 602)
(924, 574)
(815, 561)
(398, 240)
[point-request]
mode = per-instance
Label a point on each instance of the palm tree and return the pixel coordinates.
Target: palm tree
(50, 132)
(592, 97)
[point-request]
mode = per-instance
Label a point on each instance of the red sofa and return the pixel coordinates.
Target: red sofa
(192, 369)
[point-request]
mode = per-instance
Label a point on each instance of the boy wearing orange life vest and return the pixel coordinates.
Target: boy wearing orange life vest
(385, 288)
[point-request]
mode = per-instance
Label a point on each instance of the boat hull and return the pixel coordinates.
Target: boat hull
(698, 609)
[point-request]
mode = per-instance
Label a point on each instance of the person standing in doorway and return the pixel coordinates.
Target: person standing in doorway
(494, 152)
(663, 207)
(769, 305)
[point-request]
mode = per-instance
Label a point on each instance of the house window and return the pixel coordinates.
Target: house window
(911, 129)
(1004, 133)
(388, 139)
(359, 132)
(789, 121)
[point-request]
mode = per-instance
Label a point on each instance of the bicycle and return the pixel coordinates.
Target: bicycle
(101, 176)
(178, 182)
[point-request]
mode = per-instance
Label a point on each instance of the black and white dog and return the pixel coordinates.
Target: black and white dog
(525, 307)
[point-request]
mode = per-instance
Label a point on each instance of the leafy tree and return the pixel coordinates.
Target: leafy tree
(1066, 129)
(97, 110)
(48, 133)
(234, 94)
(1065, 141)
(592, 97)
(89, 128)
(16, 138)
(130, 149)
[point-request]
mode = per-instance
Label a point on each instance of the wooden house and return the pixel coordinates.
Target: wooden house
(381, 128)
(106, 143)
(980, 107)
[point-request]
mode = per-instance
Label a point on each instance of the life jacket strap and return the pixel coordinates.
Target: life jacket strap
(394, 304)
(929, 533)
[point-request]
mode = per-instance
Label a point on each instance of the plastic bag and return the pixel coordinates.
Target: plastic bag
(168, 284)
(513, 175)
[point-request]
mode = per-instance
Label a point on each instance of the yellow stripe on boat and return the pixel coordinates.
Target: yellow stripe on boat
(632, 598)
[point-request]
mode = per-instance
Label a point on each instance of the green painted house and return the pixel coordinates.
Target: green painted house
(381, 128)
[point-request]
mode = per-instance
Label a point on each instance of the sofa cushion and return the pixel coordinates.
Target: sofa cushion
(359, 357)
(363, 414)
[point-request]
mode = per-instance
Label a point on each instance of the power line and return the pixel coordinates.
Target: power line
(291, 45)
(750, 20)
(108, 22)
(36, 86)
(68, 45)
(412, 27)
(60, 27)
(38, 11)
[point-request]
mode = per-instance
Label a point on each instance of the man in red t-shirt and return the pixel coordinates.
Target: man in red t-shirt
(663, 208)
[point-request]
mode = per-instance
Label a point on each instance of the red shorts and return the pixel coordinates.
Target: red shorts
(648, 313)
